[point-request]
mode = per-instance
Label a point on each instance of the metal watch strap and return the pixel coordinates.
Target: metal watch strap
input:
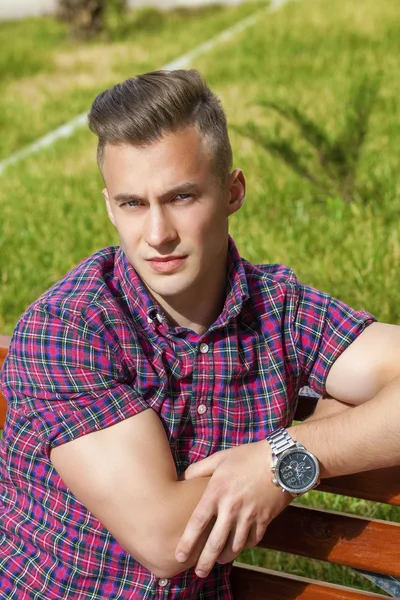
(280, 441)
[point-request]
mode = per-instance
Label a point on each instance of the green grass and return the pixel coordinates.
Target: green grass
(309, 54)
(46, 79)
(27, 46)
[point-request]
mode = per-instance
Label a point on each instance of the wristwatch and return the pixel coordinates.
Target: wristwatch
(295, 469)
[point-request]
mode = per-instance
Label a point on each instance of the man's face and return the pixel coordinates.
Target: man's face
(170, 212)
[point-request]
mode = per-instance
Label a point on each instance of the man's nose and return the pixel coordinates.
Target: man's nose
(159, 229)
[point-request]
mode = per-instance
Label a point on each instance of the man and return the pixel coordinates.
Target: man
(168, 351)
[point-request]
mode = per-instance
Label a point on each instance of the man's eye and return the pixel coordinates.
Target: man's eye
(131, 204)
(184, 196)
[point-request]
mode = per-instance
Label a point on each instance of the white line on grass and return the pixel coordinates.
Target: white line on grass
(180, 63)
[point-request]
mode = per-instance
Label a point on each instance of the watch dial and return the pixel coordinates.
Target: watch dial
(297, 470)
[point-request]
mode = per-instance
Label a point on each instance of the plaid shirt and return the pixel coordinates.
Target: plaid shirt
(92, 351)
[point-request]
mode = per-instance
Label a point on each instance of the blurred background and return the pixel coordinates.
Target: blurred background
(11, 9)
(311, 91)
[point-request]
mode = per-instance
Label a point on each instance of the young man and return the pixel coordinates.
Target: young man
(168, 349)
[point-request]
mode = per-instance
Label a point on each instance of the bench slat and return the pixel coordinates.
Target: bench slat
(4, 344)
(336, 537)
(256, 583)
(380, 485)
(3, 410)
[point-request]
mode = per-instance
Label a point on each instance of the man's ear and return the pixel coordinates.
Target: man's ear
(108, 206)
(237, 191)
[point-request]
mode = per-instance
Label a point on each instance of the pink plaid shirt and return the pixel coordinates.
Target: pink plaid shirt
(92, 351)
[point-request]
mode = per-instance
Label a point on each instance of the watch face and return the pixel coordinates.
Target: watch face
(297, 471)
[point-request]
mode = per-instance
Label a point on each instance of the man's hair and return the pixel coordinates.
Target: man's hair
(142, 109)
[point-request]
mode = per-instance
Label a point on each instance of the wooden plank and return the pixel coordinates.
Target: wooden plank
(256, 583)
(3, 410)
(379, 485)
(336, 537)
(4, 344)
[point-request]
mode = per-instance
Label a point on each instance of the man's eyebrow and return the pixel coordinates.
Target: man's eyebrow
(182, 188)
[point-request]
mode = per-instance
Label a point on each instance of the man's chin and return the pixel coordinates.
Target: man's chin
(166, 286)
(167, 292)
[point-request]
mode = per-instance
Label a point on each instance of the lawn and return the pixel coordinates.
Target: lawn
(47, 79)
(310, 54)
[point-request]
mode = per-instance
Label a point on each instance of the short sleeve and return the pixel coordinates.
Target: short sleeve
(323, 327)
(65, 380)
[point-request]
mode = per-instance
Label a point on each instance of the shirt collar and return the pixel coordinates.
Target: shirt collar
(145, 308)
(237, 291)
(142, 305)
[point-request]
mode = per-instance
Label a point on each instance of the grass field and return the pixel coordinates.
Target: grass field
(310, 53)
(46, 79)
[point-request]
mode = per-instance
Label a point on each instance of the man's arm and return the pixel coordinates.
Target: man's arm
(367, 374)
(363, 438)
(125, 475)
(104, 441)
(107, 445)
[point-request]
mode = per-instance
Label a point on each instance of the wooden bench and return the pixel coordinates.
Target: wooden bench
(370, 546)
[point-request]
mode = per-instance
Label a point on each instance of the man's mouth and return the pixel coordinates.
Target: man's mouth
(166, 263)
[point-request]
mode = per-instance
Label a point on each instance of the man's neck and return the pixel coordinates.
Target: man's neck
(198, 309)
(197, 320)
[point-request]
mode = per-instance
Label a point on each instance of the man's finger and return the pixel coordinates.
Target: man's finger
(204, 467)
(214, 546)
(226, 553)
(201, 516)
(235, 539)
(241, 535)
(255, 536)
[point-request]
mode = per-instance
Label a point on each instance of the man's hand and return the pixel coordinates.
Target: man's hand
(241, 495)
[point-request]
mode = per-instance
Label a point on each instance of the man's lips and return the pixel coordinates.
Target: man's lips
(166, 263)
(165, 258)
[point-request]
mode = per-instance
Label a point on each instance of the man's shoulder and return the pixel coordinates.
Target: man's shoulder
(89, 282)
(270, 274)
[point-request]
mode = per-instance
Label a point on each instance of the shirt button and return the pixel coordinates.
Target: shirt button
(201, 409)
(163, 582)
(204, 348)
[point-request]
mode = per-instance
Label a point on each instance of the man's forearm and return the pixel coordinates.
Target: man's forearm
(178, 504)
(363, 438)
